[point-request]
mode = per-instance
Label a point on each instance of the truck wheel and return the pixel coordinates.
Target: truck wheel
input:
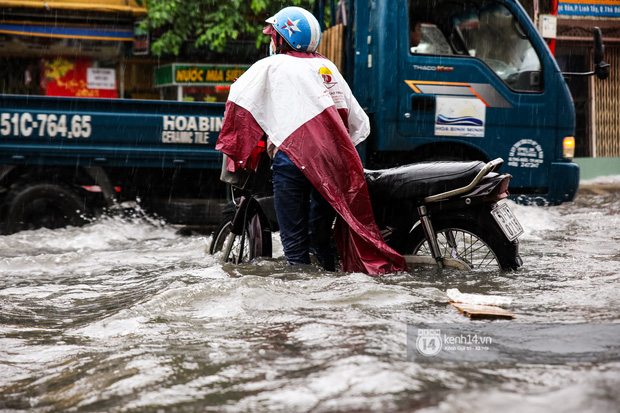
(42, 205)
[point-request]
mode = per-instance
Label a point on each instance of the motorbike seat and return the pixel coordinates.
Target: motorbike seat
(420, 180)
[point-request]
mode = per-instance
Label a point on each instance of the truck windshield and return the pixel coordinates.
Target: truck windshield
(484, 30)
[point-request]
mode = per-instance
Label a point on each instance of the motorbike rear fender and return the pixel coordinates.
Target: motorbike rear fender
(492, 188)
(491, 183)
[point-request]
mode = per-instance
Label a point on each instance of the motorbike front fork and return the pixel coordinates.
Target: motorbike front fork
(238, 225)
(431, 237)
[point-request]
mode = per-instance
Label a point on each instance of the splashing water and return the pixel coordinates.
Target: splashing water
(128, 315)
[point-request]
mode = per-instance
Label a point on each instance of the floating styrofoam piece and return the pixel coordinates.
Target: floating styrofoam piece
(458, 297)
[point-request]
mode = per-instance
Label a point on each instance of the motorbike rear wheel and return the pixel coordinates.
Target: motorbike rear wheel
(481, 245)
(233, 248)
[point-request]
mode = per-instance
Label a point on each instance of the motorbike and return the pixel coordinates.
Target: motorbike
(444, 213)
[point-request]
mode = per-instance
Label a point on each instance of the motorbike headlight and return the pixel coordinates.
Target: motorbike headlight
(568, 147)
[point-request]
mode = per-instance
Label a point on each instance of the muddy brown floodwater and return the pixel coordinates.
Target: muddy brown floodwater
(128, 315)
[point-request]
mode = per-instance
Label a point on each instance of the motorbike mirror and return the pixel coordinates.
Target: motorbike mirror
(601, 68)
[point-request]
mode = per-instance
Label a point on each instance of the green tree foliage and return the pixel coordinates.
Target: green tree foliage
(210, 23)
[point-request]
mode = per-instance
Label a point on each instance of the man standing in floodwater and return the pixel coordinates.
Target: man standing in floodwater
(299, 100)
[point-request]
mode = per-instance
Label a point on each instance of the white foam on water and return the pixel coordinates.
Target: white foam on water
(104, 233)
(601, 180)
(535, 220)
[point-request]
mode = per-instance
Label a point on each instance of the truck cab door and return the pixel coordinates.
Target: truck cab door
(476, 80)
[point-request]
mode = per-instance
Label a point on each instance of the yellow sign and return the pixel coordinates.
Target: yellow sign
(188, 74)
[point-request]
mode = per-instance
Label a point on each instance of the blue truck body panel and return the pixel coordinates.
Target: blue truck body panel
(117, 133)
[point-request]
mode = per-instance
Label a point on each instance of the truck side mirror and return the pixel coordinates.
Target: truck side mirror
(601, 68)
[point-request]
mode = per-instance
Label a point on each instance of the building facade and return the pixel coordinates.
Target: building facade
(597, 102)
(73, 48)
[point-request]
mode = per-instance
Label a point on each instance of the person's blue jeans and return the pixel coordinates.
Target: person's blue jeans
(305, 218)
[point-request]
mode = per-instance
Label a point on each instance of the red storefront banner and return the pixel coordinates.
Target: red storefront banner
(69, 78)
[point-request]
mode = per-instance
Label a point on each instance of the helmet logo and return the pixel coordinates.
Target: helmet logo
(298, 27)
(328, 77)
(291, 26)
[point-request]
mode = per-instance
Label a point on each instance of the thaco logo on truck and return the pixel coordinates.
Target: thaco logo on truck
(45, 125)
(190, 129)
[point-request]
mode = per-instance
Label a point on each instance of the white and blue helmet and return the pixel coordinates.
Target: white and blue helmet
(298, 27)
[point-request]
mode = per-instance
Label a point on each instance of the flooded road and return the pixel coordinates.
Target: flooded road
(128, 315)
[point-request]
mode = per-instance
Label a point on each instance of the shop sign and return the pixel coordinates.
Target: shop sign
(99, 78)
(599, 8)
(140, 40)
(547, 26)
(188, 74)
(68, 77)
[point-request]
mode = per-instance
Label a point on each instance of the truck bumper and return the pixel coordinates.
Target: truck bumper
(563, 182)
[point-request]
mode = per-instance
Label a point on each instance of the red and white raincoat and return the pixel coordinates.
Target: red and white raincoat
(305, 107)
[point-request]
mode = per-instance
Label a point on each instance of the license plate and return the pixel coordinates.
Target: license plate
(507, 221)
